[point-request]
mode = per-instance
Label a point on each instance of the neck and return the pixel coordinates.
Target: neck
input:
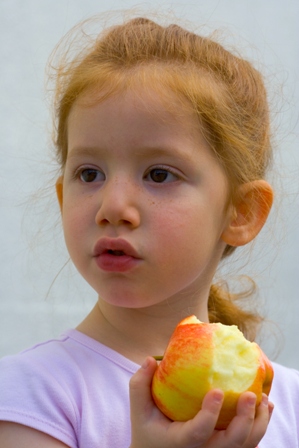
(137, 333)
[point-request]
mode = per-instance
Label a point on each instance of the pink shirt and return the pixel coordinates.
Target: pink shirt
(76, 390)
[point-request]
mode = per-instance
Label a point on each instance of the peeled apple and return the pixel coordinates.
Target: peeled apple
(202, 356)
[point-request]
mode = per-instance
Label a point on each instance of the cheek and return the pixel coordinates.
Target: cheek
(187, 229)
(177, 228)
(75, 222)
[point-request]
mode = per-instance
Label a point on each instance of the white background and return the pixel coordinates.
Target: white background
(40, 292)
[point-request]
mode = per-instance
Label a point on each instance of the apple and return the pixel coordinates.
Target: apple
(202, 356)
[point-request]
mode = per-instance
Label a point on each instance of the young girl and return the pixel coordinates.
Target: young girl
(163, 140)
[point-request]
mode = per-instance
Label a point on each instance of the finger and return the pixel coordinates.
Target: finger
(271, 409)
(197, 432)
(263, 415)
(140, 389)
(241, 426)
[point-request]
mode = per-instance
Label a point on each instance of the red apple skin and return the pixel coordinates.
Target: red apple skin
(182, 378)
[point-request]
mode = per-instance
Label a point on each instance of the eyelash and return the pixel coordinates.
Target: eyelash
(78, 173)
(167, 169)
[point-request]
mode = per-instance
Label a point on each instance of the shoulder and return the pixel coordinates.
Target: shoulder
(56, 386)
(43, 368)
(63, 367)
(69, 356)
(34, 393)
(285, 382)
(283, 430)
(282, 371)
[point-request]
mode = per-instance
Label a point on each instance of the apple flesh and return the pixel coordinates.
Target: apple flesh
(202, 356)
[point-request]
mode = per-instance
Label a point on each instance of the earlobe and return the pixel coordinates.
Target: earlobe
(249, 213)
(59, 191)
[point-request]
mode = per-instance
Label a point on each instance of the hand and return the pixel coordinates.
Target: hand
(152, 429)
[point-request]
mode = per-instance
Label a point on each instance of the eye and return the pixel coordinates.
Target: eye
(89, 175)
(161, 175)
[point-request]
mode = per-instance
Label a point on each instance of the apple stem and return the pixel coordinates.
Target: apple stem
(158, 358)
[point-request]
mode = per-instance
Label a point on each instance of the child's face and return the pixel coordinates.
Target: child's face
(138, 174)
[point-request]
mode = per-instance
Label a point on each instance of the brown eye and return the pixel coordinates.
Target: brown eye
(91, 175)
(159, 175)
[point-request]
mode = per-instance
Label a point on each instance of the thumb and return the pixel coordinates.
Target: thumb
(140, 389)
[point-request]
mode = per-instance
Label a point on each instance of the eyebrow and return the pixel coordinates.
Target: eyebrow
(148, 152)
(83, 151)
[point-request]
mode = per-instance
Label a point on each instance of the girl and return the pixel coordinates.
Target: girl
(163, 141)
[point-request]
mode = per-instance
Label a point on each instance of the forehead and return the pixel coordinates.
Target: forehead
(146, 112)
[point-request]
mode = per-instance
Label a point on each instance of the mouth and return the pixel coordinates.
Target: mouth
(115, 255)
(117, 247)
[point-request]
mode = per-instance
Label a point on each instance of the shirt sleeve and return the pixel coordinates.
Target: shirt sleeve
(32, 394)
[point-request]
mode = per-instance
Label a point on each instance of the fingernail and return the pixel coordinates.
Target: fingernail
(145, 364)
(265, 400)
(217, 396)
(251, 400)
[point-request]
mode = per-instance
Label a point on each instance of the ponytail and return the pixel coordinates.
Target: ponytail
(222, 308)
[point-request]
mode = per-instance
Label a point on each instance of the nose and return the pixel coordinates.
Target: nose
(119, 204)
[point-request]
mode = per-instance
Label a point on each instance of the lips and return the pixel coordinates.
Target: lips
(115, 255)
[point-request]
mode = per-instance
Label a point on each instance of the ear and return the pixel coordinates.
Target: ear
(59, 191)
(249, 213)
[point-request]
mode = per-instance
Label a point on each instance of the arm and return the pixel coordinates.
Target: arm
(151, 429)
(13, 435)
